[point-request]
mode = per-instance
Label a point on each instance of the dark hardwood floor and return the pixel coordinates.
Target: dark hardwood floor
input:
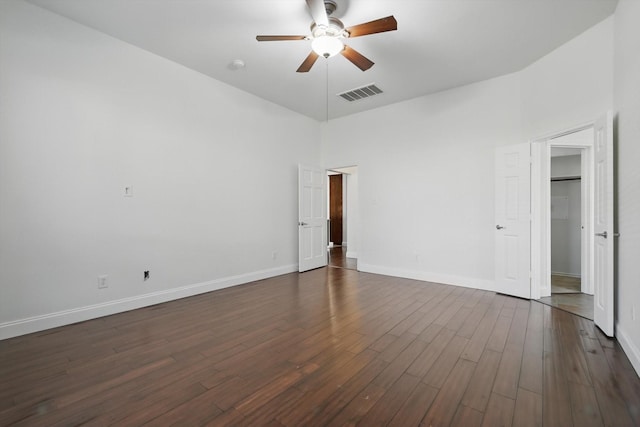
(338, 258)
(328, 347)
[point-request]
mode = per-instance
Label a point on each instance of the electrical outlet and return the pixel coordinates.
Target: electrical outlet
(102, 282)
(146, 275)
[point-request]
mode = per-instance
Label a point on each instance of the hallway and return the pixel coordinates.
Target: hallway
(338, 258)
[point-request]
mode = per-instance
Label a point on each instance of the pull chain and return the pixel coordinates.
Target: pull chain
(327, 100)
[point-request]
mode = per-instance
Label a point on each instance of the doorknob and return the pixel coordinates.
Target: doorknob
(604, 234)
(499, 227)
(302, 223)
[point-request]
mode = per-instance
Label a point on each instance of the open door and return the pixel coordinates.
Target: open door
(312, 218)
(513, 220)
(603, 225)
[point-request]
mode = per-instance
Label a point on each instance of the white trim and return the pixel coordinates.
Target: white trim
(537, 283)
(587, 189)
(80, 314)
(352, 254)
(564, 131)
(632, 352)
(466, 282)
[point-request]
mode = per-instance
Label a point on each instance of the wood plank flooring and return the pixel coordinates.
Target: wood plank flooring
(328, 347)
(337, 257)
(565, 284)
(566, 295)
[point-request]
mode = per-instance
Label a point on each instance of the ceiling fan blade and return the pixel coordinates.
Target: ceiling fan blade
(318, 12)
(357, 58)
(278, 38)
(308, 63)
(378, 26)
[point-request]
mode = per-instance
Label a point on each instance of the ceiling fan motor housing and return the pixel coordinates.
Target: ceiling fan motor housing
(335, 29)
(330, 6)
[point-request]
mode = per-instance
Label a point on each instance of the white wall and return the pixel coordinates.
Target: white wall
(426, 165)
(353, 213)
(214, 173)
(570, 86)
(627, 103)
(566, 232)
(565, 166)
(426, 182)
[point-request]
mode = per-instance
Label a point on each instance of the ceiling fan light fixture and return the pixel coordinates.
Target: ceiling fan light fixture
(328, 34)
(327, 46)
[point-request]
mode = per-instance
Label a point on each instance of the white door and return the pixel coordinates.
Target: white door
(513, 220)
(312, 218)
(603, 225)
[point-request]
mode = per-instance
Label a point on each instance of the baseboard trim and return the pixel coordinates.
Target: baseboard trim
(66, 317)
(630, 349)
(351, 254)
(559, 273)
(466, 282)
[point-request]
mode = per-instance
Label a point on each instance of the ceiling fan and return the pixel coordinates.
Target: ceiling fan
(328, 32)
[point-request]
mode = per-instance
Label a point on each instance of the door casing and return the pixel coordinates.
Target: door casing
(541, 209)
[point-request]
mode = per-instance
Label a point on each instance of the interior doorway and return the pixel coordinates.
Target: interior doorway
(342, 214)
(568, 214)
(597, 263)
(336, 209)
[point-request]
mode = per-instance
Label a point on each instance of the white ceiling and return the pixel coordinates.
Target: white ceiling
(439, 44)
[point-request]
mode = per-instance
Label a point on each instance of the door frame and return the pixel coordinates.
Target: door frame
(541, 209)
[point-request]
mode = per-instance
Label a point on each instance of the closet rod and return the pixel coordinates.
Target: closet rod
(566, 178)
